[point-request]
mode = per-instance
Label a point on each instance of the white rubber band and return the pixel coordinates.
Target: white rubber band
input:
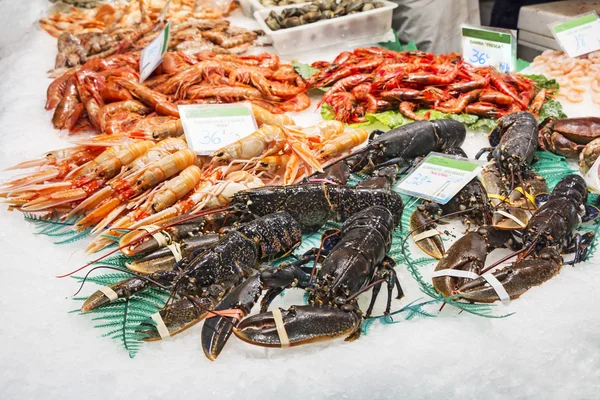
(425, 235)
(498, 287)
(160, 326)
(158, 236)
(108, 292)
(176, 250)
(283, 336)
(517, 220)
(457, 273)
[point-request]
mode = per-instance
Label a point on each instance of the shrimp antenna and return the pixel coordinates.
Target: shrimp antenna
(148, 234)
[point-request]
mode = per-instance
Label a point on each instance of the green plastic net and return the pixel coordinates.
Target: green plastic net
(121, 318)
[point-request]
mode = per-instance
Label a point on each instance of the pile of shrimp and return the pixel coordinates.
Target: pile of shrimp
(121, 15)
(111, 189)
(191, 35)
(370, 80)
(574, 75)
(104, 95)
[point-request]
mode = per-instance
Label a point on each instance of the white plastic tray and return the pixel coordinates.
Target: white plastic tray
(327, 32)
(250, 6)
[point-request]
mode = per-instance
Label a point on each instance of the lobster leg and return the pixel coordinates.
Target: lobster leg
(580, 247)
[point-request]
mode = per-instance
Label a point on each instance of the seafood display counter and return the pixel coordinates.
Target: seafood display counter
(290, 260)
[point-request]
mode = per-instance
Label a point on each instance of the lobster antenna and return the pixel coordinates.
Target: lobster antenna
(369, 286)
(327, 165)
(508, 257)
(120, 270)
(147, 234)
(314, 268)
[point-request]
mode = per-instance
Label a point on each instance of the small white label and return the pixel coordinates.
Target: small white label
(592, 177)
(484, 46)
(153, 53)
(579, 35)
(439, 177)
(209, 127)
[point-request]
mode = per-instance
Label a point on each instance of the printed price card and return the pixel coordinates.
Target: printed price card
(439, 177)
(153, 53)
(208, 127)
(578, 36)
(483, 46)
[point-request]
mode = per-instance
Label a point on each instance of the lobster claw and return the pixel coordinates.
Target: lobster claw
(120, 290)
(300, 325)
(217, 329)
(175, 318)
(510, 218)
(515, 279)
(424, 235)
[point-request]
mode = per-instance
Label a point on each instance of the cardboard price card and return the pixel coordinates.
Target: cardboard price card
(578, 36)
(152, 54)
(483, 46)
(208, 127)
(439, 177)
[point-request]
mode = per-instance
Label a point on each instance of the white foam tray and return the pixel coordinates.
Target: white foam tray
(327, 32)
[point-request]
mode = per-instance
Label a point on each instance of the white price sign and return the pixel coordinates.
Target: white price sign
(494, 47)
(208, 127)
(439, 177)
(152, 54)
(578, 36)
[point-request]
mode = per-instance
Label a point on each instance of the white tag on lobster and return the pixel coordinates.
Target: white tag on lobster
(209, 127)
(152, 54)
(487, 46)
(439, 177)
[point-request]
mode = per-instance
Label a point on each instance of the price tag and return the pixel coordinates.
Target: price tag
(578, 36)
(208, 127)
(483, 46)
(152, 54)
(440, 176)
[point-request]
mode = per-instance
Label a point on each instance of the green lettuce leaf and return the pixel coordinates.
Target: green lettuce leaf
(483, 124)
(394, 119)
(541, 82)
(551, 108)
(304, 70)
(397, 46)
(391, 119)
(327, 112)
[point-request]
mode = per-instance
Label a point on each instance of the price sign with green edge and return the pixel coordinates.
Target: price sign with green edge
(208, 127)
(152, 54)
(439, 177)
(484, 46)
(579, 35)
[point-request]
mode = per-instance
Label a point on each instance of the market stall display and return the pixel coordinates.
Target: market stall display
(188, 237)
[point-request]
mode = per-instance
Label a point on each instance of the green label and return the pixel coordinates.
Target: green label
(166, 39)
(491, 36)
(452, 163)
(218, 112)
(574, 23)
